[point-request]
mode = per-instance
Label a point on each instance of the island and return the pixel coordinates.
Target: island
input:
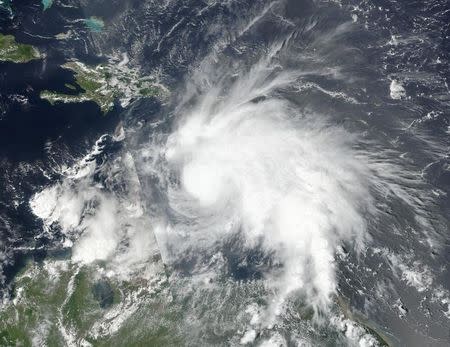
(57, 302)
(106, 83)
(15, 52)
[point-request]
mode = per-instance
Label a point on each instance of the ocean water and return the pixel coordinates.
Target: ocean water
(300, 161)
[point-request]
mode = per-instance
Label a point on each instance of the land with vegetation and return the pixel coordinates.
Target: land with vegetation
(11, 50)
(104, 84)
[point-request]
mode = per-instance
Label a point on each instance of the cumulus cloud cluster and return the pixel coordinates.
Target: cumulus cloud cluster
(242, 161)
(101, 220)
(247, 162)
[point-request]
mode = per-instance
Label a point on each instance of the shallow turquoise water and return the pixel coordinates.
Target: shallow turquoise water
(47, 4)
(94, 24)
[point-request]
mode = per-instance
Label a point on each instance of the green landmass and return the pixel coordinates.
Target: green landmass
(10, 50)
(381, 338)
(92, 81)
(57, 302)
(105, 83)
(64, 36)
(60, 303)
(67, 85)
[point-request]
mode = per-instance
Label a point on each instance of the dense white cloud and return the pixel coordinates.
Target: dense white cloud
(249, 162)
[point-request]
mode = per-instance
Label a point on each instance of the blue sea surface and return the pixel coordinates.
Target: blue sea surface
(349, 54)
